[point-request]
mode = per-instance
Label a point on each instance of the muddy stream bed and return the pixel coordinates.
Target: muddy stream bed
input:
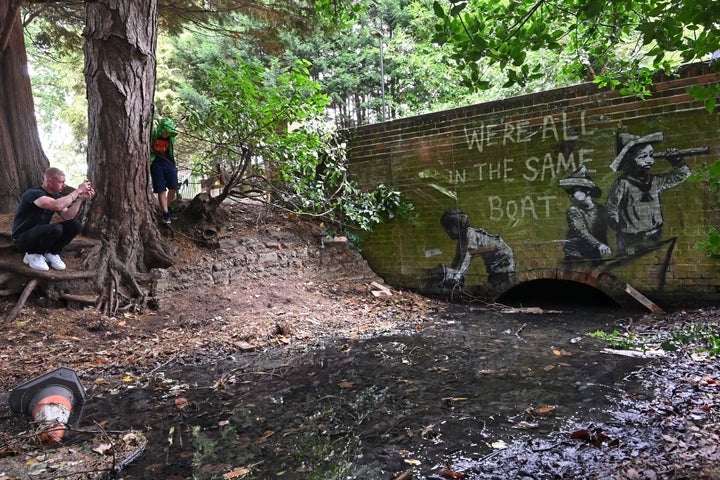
(470, 394)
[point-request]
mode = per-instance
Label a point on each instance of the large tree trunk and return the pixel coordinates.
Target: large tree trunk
(120, 43)
(22, 160)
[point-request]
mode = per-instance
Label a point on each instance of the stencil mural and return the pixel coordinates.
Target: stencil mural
(473, 242)
(633, 203)
(575, 184)
(632, 210)
(587, 221)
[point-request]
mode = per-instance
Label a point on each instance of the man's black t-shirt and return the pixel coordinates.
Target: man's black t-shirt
(29, 215)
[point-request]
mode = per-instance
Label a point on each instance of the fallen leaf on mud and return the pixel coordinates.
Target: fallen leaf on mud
(181, 403)
(547, 368)
(407, 475)
(245, 346)
(127, 378)
(596, 438)
(632, 474)
(346, 384)
(449, 473)
(103, 448)
(237, 473)
(580, 435)
(413, 461)
(499, 444)
(428, 432)
(545, 409)
(487, 372)
(266, 435)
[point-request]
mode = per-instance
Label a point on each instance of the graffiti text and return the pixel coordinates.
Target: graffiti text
(522, 208)
(556, 129)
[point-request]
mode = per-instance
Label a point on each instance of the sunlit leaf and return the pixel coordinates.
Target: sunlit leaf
(444, 190)
(103, 448)
(236, 473)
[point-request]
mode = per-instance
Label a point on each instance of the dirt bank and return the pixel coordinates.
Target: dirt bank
(270, 279)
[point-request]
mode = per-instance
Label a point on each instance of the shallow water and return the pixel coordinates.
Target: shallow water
(453, 390)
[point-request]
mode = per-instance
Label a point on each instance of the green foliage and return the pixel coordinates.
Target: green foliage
(616, 340)
(709, 95)
(262, 128)
(712, 244)
(59, 92)
(240, 111)
(314, 182)
(699, 338)
(419, 76)
(331, 436)
(616, 44)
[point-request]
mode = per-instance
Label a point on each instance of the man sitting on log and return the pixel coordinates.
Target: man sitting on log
(32, 231)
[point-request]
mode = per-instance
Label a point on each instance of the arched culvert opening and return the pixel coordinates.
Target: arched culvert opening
(558, 294)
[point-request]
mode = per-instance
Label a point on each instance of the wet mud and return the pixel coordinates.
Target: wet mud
(470, 394)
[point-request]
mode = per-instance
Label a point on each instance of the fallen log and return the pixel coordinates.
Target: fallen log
(23, 298)
(89, 299)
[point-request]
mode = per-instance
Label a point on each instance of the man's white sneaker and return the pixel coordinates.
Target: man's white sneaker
(35, 261)
(54, 260)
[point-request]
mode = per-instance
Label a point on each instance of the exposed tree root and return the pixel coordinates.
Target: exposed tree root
(121, 291)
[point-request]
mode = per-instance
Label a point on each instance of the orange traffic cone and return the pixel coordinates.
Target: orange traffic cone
(54, 400)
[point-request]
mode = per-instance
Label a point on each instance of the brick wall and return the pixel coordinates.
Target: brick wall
(501, 163)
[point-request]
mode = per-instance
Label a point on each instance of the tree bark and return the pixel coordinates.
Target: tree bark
(22, 160)
(120, 43)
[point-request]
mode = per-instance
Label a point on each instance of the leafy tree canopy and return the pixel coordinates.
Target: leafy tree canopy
(620, 44)
(261, 130)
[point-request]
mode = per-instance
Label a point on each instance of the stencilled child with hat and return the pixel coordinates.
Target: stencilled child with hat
(587, 221)
(633, 203)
